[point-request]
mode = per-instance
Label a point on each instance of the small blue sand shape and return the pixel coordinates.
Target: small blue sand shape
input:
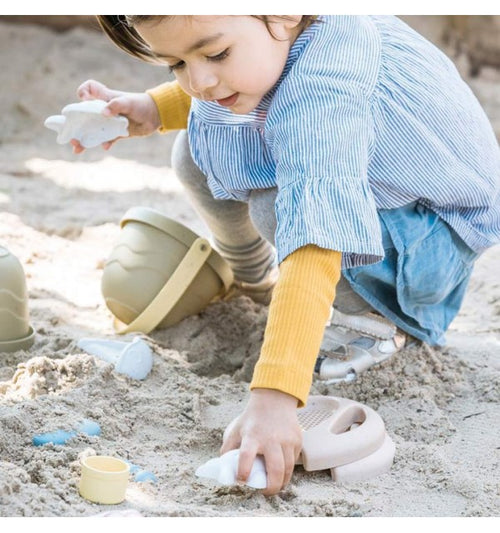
(61, 436)
(141, 475)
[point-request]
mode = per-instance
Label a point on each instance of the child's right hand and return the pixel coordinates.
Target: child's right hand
(139, 108)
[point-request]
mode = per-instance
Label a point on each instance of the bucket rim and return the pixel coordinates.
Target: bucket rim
(23, 343)
(183, 234)
(94, 471)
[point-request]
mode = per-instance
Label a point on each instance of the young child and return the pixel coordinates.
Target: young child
(352, 147)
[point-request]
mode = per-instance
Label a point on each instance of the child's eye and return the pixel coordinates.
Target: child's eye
(219, 57)
(177, 66)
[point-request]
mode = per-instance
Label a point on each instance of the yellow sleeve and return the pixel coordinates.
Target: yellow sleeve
(298, 313)
(173, 106)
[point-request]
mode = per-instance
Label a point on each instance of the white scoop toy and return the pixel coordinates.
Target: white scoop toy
(85, 122)
(340, 435)
(133, 359)
(224, 469)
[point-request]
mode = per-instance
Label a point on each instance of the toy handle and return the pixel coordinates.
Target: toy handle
(171, 292)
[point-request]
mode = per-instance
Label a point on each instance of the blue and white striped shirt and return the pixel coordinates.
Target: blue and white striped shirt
(366, 115)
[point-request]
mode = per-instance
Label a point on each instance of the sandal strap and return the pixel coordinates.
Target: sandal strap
(369, 324)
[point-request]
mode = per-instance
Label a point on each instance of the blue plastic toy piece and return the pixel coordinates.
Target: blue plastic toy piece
(60, 436)
(89, 427)
(144, 475)
(141, 475)
(56, 437)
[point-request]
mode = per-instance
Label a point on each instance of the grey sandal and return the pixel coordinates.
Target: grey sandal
(354, 343)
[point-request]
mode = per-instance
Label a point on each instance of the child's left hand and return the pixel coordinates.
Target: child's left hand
(268, 426)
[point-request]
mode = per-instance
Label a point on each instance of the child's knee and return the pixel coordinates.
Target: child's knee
(182, 162)
(262, 213)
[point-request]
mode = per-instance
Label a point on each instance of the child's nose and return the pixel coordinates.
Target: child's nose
(201, 80)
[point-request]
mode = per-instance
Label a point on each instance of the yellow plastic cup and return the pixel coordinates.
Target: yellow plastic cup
(104, 479)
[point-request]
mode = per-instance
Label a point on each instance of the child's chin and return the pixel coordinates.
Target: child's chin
(243, 108)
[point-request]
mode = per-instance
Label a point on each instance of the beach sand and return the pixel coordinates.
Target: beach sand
(60, 216)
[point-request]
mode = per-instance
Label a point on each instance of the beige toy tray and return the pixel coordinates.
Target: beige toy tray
(345, 436)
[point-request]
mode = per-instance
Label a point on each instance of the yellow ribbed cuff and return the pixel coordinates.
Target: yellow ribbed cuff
(173, 106)
(299, 310)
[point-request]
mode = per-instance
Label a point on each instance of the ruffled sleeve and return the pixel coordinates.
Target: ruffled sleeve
(321, 133)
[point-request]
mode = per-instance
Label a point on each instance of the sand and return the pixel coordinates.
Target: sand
(60, 215)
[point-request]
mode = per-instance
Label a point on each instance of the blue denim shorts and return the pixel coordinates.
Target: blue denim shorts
(422, 280)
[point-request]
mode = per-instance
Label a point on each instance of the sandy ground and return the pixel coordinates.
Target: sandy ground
(60, 217)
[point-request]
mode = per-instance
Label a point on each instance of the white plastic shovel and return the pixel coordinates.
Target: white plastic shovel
(134, 359)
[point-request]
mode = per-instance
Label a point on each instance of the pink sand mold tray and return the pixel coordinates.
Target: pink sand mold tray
(345, 436)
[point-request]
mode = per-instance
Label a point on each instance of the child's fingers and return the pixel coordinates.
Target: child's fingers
(290, 457)
(95, 90)
(231, 441)
(248, 453)
(90, 89)
(77, 147)
(108, 144)
(122, 105)
(275, 468)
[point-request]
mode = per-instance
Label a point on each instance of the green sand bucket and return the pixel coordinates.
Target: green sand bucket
(160, 272)
(15, 330)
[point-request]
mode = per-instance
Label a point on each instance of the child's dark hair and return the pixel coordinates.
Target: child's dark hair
(120, 29)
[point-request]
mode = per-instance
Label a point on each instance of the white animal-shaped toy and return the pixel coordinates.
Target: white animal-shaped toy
(225, 468)
(85, 122)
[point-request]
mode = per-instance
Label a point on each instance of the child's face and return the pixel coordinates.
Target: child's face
(233, 60)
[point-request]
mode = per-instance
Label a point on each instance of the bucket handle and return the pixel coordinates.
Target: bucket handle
(171, 292)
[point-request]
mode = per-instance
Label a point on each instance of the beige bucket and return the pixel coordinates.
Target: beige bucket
(15, 330)
(160, 272)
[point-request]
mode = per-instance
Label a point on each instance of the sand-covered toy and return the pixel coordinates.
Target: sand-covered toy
(104, 479)
(141, 475)
(224, 469)
(134, 359)
(62, 436)
(346, 437)
(85, 122)
(160, 272)
(15, 330)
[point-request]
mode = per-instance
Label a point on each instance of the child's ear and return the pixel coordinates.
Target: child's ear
(291, 21)
(283, 25)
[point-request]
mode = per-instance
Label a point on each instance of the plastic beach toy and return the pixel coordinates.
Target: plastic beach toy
(345, 436)
(160, 272)
(370, 466)
(134, 359)
(141, 475)
(340, 435)
(104, 479)
(15, 330)
(61, 436)
(85, 122)
(225, 468)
